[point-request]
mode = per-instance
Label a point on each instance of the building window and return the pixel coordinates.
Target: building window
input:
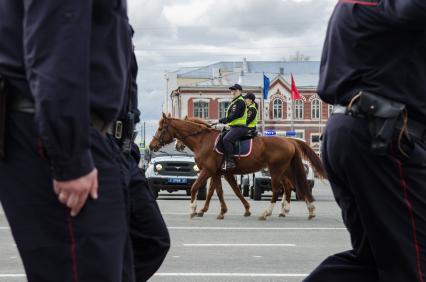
(315, 138)
(315, 109)
(330, 109)
(277, 109)
(298, 109)
(201, 109)
(300, 134)
(222, 109)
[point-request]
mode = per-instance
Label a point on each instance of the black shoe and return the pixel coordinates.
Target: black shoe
(229, 164)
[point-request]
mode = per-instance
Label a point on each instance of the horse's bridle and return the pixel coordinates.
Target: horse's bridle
(165, 130)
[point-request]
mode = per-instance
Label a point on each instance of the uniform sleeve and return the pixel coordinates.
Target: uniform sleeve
(251, 115)
(410, 13)
(237, 111)
(134, 88)
(56, 49)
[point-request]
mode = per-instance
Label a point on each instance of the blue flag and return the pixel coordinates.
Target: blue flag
(266, 83)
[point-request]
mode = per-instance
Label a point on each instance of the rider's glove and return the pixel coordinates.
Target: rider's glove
(223, 120)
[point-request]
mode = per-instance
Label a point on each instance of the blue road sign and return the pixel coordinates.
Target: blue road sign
(290, 133)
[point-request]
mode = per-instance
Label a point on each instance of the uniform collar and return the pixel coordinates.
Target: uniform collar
(237, 97)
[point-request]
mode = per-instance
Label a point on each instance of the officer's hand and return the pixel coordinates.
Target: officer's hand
(74, 193)
(222, 120)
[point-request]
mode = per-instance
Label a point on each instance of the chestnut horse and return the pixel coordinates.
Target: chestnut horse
(287, 186)
(276, 153)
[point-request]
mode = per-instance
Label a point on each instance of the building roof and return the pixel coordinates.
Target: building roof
(250, 73)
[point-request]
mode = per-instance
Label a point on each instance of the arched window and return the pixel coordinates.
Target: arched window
(277, 109)
(201, 109)
(315, 109)
(298, 109)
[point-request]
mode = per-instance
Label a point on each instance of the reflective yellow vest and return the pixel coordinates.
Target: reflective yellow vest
(253, 123)
(241, 120)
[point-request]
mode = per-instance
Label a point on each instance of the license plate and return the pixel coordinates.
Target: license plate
(177, 180)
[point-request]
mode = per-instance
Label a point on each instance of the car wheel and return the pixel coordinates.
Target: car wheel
(246, 189)
(188, 192)
(251, 192)
(202, 192)
(257, 192)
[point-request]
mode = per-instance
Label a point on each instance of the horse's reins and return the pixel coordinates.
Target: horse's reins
(165, 129)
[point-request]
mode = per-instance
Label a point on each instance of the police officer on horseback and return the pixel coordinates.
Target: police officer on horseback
(236, 119)
(251, 114)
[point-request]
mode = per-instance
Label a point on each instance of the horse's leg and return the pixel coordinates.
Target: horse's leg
(202, 177)
(212, 187)
(311, 209)
(276, 188)
(231, 180)
(223, 208)
(285, 203)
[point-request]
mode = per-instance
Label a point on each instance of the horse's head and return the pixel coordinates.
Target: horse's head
(163, 135)
(179, 146)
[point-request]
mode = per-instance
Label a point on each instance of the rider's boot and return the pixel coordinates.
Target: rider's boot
(229, 163)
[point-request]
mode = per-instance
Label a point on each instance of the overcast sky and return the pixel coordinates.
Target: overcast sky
(170, 34)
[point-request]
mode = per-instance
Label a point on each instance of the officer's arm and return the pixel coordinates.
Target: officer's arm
(56, 48)
(134, 88)
(251, 115)
(238, 111)
(410, 13)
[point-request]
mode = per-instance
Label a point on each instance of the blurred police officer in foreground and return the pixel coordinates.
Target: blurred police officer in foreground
(66, 65)
(252, 119)
(150, 239)
(373, 70)
(236, 119)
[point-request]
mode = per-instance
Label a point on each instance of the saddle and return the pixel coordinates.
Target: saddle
(242, 148)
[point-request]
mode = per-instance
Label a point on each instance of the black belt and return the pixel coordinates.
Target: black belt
(24, 105)
(414, 128)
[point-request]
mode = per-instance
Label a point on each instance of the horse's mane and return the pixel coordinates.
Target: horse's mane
(199, 121)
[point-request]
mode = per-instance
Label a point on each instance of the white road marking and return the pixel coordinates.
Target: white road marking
(4, 228)
(176, 256)
(202, 274)
(252, 228)
(235, 274)
(239, 245)
(257, 257)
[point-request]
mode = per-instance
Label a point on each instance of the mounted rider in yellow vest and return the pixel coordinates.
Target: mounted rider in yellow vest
(236, 119)
(252, 116)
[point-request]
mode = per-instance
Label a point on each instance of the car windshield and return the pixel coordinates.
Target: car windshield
(169, 150)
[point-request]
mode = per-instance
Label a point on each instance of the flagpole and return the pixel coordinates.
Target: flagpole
(263, 107)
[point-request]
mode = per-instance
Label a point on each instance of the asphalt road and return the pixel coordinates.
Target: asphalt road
(234, 249)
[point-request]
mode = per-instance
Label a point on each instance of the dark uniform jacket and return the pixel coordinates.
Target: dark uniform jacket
(236, 111)
(71, 58)
(351, 60)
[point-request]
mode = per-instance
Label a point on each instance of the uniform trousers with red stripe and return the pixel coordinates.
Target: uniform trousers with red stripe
(383, 204)
(53, 245)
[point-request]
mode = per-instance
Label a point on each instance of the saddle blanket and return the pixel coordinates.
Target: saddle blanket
(241, 148)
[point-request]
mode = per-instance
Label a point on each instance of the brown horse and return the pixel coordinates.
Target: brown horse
(286, 183)
(276, 153)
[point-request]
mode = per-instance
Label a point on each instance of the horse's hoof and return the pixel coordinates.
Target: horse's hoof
(282, 215)
(246, 214)
(200, 214)
(262, 218)
(311, 216)
(287, 211)
(193, 215)
(220, 217)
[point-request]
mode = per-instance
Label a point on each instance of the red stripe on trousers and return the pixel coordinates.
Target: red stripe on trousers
(413, 222)
(73, 249)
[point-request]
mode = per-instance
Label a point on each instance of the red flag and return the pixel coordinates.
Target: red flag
(294, 92)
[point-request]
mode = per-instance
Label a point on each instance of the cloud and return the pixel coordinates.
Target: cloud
(174, 33)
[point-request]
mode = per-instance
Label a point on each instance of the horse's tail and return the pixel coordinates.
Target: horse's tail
(297, 175)
(313, 158)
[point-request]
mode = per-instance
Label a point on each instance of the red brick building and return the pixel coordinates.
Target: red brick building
(208, 97)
